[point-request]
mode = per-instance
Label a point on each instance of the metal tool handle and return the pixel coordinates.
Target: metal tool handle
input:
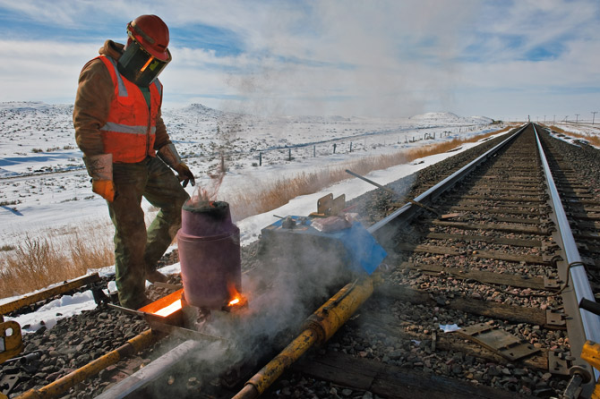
(389, 190)
(590, 306)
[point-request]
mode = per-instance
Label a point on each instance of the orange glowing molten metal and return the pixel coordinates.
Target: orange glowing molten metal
(166, 306)
(238, 299)
(169, 310)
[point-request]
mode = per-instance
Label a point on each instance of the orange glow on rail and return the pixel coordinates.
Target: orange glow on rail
(165, 306)
(169, 310)
(237, 299)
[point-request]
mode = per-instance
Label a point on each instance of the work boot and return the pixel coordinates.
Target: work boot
(136, 304)
(156, 277)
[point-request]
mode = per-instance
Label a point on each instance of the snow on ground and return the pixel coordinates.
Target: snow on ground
(579, 129)
(446, 117)
(46, 192)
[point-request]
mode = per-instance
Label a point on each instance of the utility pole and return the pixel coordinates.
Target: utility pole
(594, 116)
(576, 118)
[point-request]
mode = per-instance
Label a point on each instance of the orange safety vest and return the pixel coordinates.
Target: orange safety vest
(129, 132)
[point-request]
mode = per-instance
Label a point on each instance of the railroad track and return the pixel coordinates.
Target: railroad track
(497, 258)
(489, 252)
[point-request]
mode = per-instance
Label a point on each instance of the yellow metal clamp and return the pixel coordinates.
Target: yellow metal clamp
(63, 384)
(11, 342)
(319, 327)
(591, 354)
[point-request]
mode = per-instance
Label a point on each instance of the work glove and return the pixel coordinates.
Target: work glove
(185, 174)
(105, 188)
(169, 155)
(99, 167)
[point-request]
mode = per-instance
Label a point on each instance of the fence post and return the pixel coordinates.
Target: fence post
(260, 159)
(289, 154)
(334, 145)
(314, 151)
(350, 146)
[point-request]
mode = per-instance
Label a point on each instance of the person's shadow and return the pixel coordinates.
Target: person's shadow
(13, 210)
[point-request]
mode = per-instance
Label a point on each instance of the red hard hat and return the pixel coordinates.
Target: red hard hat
(152, 34)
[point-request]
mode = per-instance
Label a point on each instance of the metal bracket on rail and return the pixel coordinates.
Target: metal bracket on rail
(492, 337)
(328, 206)
(551, 283)
(549, 227)
(558, 363)
(549, 246)
(7, 383)
(552, 259)
(11, 342)
(556, 320)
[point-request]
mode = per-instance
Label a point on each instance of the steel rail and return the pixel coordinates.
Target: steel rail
(63, 384)
(355, 295)
(66, 286)
(589, 322)
(408, 211)
(141, 379)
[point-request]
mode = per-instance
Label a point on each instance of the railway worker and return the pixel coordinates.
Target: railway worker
(119, 129)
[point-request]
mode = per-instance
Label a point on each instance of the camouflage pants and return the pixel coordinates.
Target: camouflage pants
(137, 251)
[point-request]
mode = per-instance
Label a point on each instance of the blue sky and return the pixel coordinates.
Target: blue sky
(388, 58)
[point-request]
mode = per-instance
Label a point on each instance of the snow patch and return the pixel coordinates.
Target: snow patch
(436, 116)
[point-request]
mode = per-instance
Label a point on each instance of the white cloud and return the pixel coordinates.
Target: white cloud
(381, 57)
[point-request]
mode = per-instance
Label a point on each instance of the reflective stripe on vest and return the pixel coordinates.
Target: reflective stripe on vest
(130, 130)
(121, 85)
(119, 128)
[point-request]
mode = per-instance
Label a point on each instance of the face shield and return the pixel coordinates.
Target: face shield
(139, 66)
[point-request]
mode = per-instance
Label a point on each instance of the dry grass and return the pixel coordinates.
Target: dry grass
(593, 140)
(278, 193)
(38, 263)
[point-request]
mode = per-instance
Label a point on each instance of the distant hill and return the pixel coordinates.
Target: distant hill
(199, 108)
(24, 106)
(199, 111)
(483, 119)
(436, 115)
(450, 117)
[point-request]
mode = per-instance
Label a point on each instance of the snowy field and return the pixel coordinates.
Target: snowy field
(582, 129)
(45, 190)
